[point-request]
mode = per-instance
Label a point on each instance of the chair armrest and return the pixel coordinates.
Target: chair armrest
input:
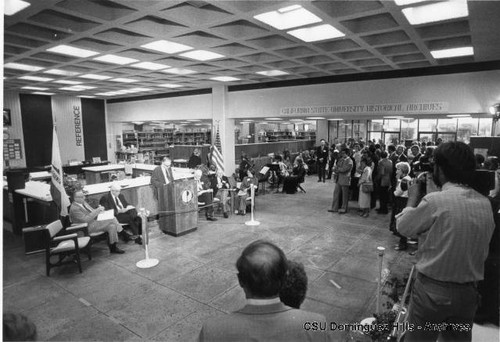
(79, 227)
(65, 237)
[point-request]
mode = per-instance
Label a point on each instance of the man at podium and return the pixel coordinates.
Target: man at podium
(162, 175)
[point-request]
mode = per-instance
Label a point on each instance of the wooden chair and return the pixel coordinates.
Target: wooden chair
(64, 246)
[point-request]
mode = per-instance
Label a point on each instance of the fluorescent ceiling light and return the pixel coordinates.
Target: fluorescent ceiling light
(72, 51)
(272, 72)
(35, 78)
(193, 120)
(67, 82)
(436, 12)
(24, 67)
(224, 78)
(150, 66)
(458, 115)
(95, 77)
(169, 85)
(316, 33)
(34, 88)
(395, 117)
(140, 89)
(166, 46)
(286, 18)
(296, 120)
(103, 94)
(455, 52)
(87, 96)
(11, 7)
(201, 55)
(406, 2)
(336, 119)
(77, 88)
(273, 119)
(42, 93)
(60, 72)
(179, 71)
(114, 59)
(123, 80)
(315, 118)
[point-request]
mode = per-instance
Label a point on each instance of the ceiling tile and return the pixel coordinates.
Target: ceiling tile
(354, 54)
(366, 62)
(155, 26)
(45, 64)
(233, 49)
(253, 6)
(283, 64)
(55, 57)
(315, 59)
(199, 39)
(338, 45)
(121, 36)
(232, 63)
(443, 29)
(139, 54)
(378, 68)
(95, 44)
(300, 70)
(456, 60)
(260, 58)
(102, 9)
(415, 65)
(398, 49)
(371, 23)
(64, 21)
(200, 12)
(14, 50)
(408, 58)
(270, 42)
(239, 29)
(332, 66)
(440, 44)
(386, 38)
(316, 74)
(37, 32)
(296, 51)
(26, 42)
(337, 8)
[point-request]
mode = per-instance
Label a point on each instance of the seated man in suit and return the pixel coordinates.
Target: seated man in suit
(205, 194)
(262, 268)
(81, 212)
(124, 212)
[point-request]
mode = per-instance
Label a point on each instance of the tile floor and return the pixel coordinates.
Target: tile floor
(196, 278)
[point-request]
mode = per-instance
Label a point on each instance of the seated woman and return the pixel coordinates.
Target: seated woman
(291, 183)
(244, 192)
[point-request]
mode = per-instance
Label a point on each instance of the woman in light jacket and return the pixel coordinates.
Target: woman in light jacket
(366, 178)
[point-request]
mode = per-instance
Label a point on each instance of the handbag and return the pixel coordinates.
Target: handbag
(367, 187)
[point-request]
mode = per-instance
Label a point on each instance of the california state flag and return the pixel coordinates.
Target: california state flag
(56, 185)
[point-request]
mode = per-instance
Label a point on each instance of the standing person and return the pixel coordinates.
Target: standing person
(454, 227)
(366, 178)
(220, 187)
(124, 212)
(243, 194)
(195, 159)
(322, 159)
(415, 162)
(400, 200)
(162, 175)
(343, 174)
(384, 176)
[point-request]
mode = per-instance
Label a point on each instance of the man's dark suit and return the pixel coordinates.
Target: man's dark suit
(158, 179)
(322, 159)
(130, 217)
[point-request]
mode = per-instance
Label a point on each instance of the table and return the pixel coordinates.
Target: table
(93, 173)
(180, 163)
(42, 175)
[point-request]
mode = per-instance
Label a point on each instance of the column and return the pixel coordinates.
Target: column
(220, 117)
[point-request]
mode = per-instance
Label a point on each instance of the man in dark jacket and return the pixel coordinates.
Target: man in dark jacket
(322, 159)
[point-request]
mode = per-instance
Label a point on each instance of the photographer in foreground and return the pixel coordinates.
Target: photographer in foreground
(454, 227)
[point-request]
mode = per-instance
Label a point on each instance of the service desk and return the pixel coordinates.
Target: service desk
(93, 173)
(40, 176)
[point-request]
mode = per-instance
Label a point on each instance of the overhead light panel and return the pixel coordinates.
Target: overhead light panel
(77, 88)
(296, 120)
(166, 46)
(288, 17)
(316, 33)
(201, 55)
(114, 59)
(60, 72)
(179, 71)
(224, 78)
(436, 12)
(72, 51)
(272, 73)
(95, 77)
(42, 93)
(273, 119)
(138, 90)
(150, 66)
(458, 115)
(35, 78)
(34, 88)
(315, 118)
(86, 96)
(19, 66)
(169, 85)
(455, 52)
(335, 119)
(407, 2)
(123, 80)
(67, 82)
(11, 7)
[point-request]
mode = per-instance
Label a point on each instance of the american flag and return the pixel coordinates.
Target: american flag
(56, 185)
(215, 153)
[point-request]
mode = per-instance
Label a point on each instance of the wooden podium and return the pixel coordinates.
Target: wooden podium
(178, 207)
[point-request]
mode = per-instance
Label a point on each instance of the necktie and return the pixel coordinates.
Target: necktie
(85, 206)
(118, 203)
(169, 175)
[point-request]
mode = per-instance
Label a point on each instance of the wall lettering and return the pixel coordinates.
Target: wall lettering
(78, 125)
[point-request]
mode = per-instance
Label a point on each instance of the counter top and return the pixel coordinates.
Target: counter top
(37, 190)
(110, 167)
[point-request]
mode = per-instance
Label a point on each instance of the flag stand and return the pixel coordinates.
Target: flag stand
(252, 222)
(147, 262)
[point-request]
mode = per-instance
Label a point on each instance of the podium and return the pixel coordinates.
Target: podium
(178, 207)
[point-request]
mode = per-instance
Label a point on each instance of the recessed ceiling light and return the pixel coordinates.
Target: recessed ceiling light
(34, 88)
(247, 120)
(335, 119)
(103, 94)
(193, 120)
(114, 59)
(272, 73)
(123, 80)
(77, 88)
(407, 2)
(436, 12)
(95, 77)
(455, 52)
(296, 120)
(458, 115)
(169, 85)
(42, 93)
(273, 119)
(86, 96)
(67, 82)
(179, 71)
(11, 7)
(315, 118)
(72, 51)
(201, 55)
(395, 117)
(60, 72)
(224, 78)
(166, 46)
(35, 78)
(24, 67)
(288, 17)
(150, 66)
(140, 89)
(316, 33)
